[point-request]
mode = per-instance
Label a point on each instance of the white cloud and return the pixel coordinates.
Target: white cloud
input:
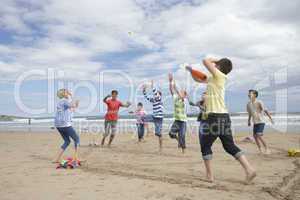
(259, 36)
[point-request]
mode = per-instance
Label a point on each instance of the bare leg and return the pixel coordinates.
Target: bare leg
(183, 150)
(260, 138)
(209, 174)
(160, 143)
(75, 154)
(257, 142)
(103, 141)
(249, 170)
(111, 138)
(58, 157)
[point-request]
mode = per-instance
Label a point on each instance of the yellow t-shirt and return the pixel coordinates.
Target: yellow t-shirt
(215, 102)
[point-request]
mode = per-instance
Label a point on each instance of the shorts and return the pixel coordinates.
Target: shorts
(110, 128)
(218, 125)
(258, 129)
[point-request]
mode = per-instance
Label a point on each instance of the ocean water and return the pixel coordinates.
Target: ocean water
(283, 123)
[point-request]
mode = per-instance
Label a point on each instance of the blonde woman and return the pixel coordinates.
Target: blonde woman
(63, 122)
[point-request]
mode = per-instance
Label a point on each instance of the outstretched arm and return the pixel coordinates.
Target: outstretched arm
(126, 105)
(269, 115)
(171, 84)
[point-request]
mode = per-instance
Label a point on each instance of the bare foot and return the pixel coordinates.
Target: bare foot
(250, 177)
(267, 152)
(210, 179)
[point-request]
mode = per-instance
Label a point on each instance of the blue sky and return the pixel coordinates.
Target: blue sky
(134, 41)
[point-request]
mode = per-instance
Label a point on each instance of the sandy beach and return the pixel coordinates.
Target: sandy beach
(135, 171)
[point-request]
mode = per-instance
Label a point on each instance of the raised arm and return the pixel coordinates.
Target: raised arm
(171, 84)
(105, 98)
(146, 95)
(210, 64)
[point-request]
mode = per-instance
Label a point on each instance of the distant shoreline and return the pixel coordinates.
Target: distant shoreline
(96, 117)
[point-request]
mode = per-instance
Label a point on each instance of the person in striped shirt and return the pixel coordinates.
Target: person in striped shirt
(63, 122)
(157, 116)
(178, 128)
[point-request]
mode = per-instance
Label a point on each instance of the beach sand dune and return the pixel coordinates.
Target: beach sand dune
(129, 170)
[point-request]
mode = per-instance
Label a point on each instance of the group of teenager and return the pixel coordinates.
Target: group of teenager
(214, 119)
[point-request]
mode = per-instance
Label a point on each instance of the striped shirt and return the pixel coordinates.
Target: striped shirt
(63, 116)
(156, 103)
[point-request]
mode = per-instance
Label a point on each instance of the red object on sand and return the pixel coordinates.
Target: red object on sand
(69, 163)
(198, 75)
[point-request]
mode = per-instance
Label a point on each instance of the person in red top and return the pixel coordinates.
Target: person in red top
(111, 116)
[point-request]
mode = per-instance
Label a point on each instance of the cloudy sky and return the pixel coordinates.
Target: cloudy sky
(94, 46)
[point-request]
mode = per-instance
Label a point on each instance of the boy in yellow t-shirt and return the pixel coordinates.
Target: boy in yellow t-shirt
(217, 119)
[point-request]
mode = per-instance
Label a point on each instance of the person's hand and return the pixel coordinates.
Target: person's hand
(272, 121)
(128, 103)
(188, 68)
(76, 103)
(249, 123)
(144, 87)
(170, 77)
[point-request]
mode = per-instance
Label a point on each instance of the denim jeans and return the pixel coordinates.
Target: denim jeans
(67, 133)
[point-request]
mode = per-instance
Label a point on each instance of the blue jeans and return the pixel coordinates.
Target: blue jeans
(140, 130)
(178, 127)
(67, 133)
(158, 122)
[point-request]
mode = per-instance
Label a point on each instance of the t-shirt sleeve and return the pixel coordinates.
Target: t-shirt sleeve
(219, 77)
(120, 104)
(219, 74)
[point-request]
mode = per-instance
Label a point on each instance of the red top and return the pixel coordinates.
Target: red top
(113, 107)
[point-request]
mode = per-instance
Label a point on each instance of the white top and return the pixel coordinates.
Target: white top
(256, 110)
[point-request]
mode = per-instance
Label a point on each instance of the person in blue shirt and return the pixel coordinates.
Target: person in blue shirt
(63, 122)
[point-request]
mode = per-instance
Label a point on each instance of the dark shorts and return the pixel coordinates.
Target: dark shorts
(217, 125)
(177, 131)
(258, 129)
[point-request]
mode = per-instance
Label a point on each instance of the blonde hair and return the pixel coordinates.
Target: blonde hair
(61, 93)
